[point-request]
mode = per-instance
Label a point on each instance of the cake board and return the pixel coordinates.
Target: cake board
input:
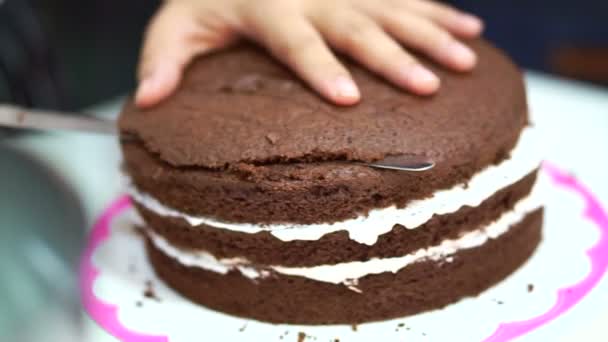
(122, 294)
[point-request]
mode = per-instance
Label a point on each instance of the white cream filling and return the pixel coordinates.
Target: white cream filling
(348, 273)
(366, 229)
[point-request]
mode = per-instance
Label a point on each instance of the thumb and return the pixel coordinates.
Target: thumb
(173, 38)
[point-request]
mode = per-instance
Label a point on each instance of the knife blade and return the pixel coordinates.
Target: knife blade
(17, 117)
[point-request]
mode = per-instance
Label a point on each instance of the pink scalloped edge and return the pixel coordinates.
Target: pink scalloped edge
(569, 296)
(106, 315)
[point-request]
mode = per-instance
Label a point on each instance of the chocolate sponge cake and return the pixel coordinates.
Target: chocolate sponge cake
(257, 201)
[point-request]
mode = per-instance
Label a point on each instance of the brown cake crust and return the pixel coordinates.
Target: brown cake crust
(264, 248)
(243, 140)
(418, 287)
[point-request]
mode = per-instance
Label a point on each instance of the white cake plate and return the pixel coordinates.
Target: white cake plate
(123, 295)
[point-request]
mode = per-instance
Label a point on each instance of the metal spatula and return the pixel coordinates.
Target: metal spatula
(17, 117)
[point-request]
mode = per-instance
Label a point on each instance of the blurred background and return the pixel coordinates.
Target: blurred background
(75, 55)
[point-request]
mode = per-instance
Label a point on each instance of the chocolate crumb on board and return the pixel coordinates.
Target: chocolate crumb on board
(530, 287)
(241, 329)
(301, 336)
(354, 327)
(149, 291)
(138, 303)
(337, 340)
(139, 231)
(401, 325)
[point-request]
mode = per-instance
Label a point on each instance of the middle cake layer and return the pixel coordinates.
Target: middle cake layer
(383, 232)
(265, 248)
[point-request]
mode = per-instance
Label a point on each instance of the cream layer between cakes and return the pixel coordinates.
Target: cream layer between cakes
(366, 229)
(348, 273)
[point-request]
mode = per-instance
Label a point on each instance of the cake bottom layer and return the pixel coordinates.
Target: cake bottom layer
(419, 287)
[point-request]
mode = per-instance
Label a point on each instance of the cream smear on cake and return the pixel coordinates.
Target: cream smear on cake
(348, 273)
(366, 229)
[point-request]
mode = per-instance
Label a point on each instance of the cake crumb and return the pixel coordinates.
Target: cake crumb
(149, 291)
(423, 334)
(247, 84)
(287, 85)
(272, 138)
(337, 340)
(354, 327)
(530, 287)
(140, 231)
(401, 325)
(157, 173)
(301, 336)
(139, 303)
(241, 329)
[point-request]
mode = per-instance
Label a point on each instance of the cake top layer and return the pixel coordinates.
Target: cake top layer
(241, 106)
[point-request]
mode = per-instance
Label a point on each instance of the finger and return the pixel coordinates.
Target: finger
(423, 35)
(173, 39)
(361, 38)
(457, 22)
(294, 41)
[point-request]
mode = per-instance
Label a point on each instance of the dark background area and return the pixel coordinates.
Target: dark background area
(69, 54)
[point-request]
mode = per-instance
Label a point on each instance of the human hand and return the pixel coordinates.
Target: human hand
(299, 33)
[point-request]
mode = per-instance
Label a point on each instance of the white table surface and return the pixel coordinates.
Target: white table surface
(572, 118)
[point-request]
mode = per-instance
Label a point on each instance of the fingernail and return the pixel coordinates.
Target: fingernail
(471, 22)
(461, 54)
(145, 89)
(422, 76)
(346, 88)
